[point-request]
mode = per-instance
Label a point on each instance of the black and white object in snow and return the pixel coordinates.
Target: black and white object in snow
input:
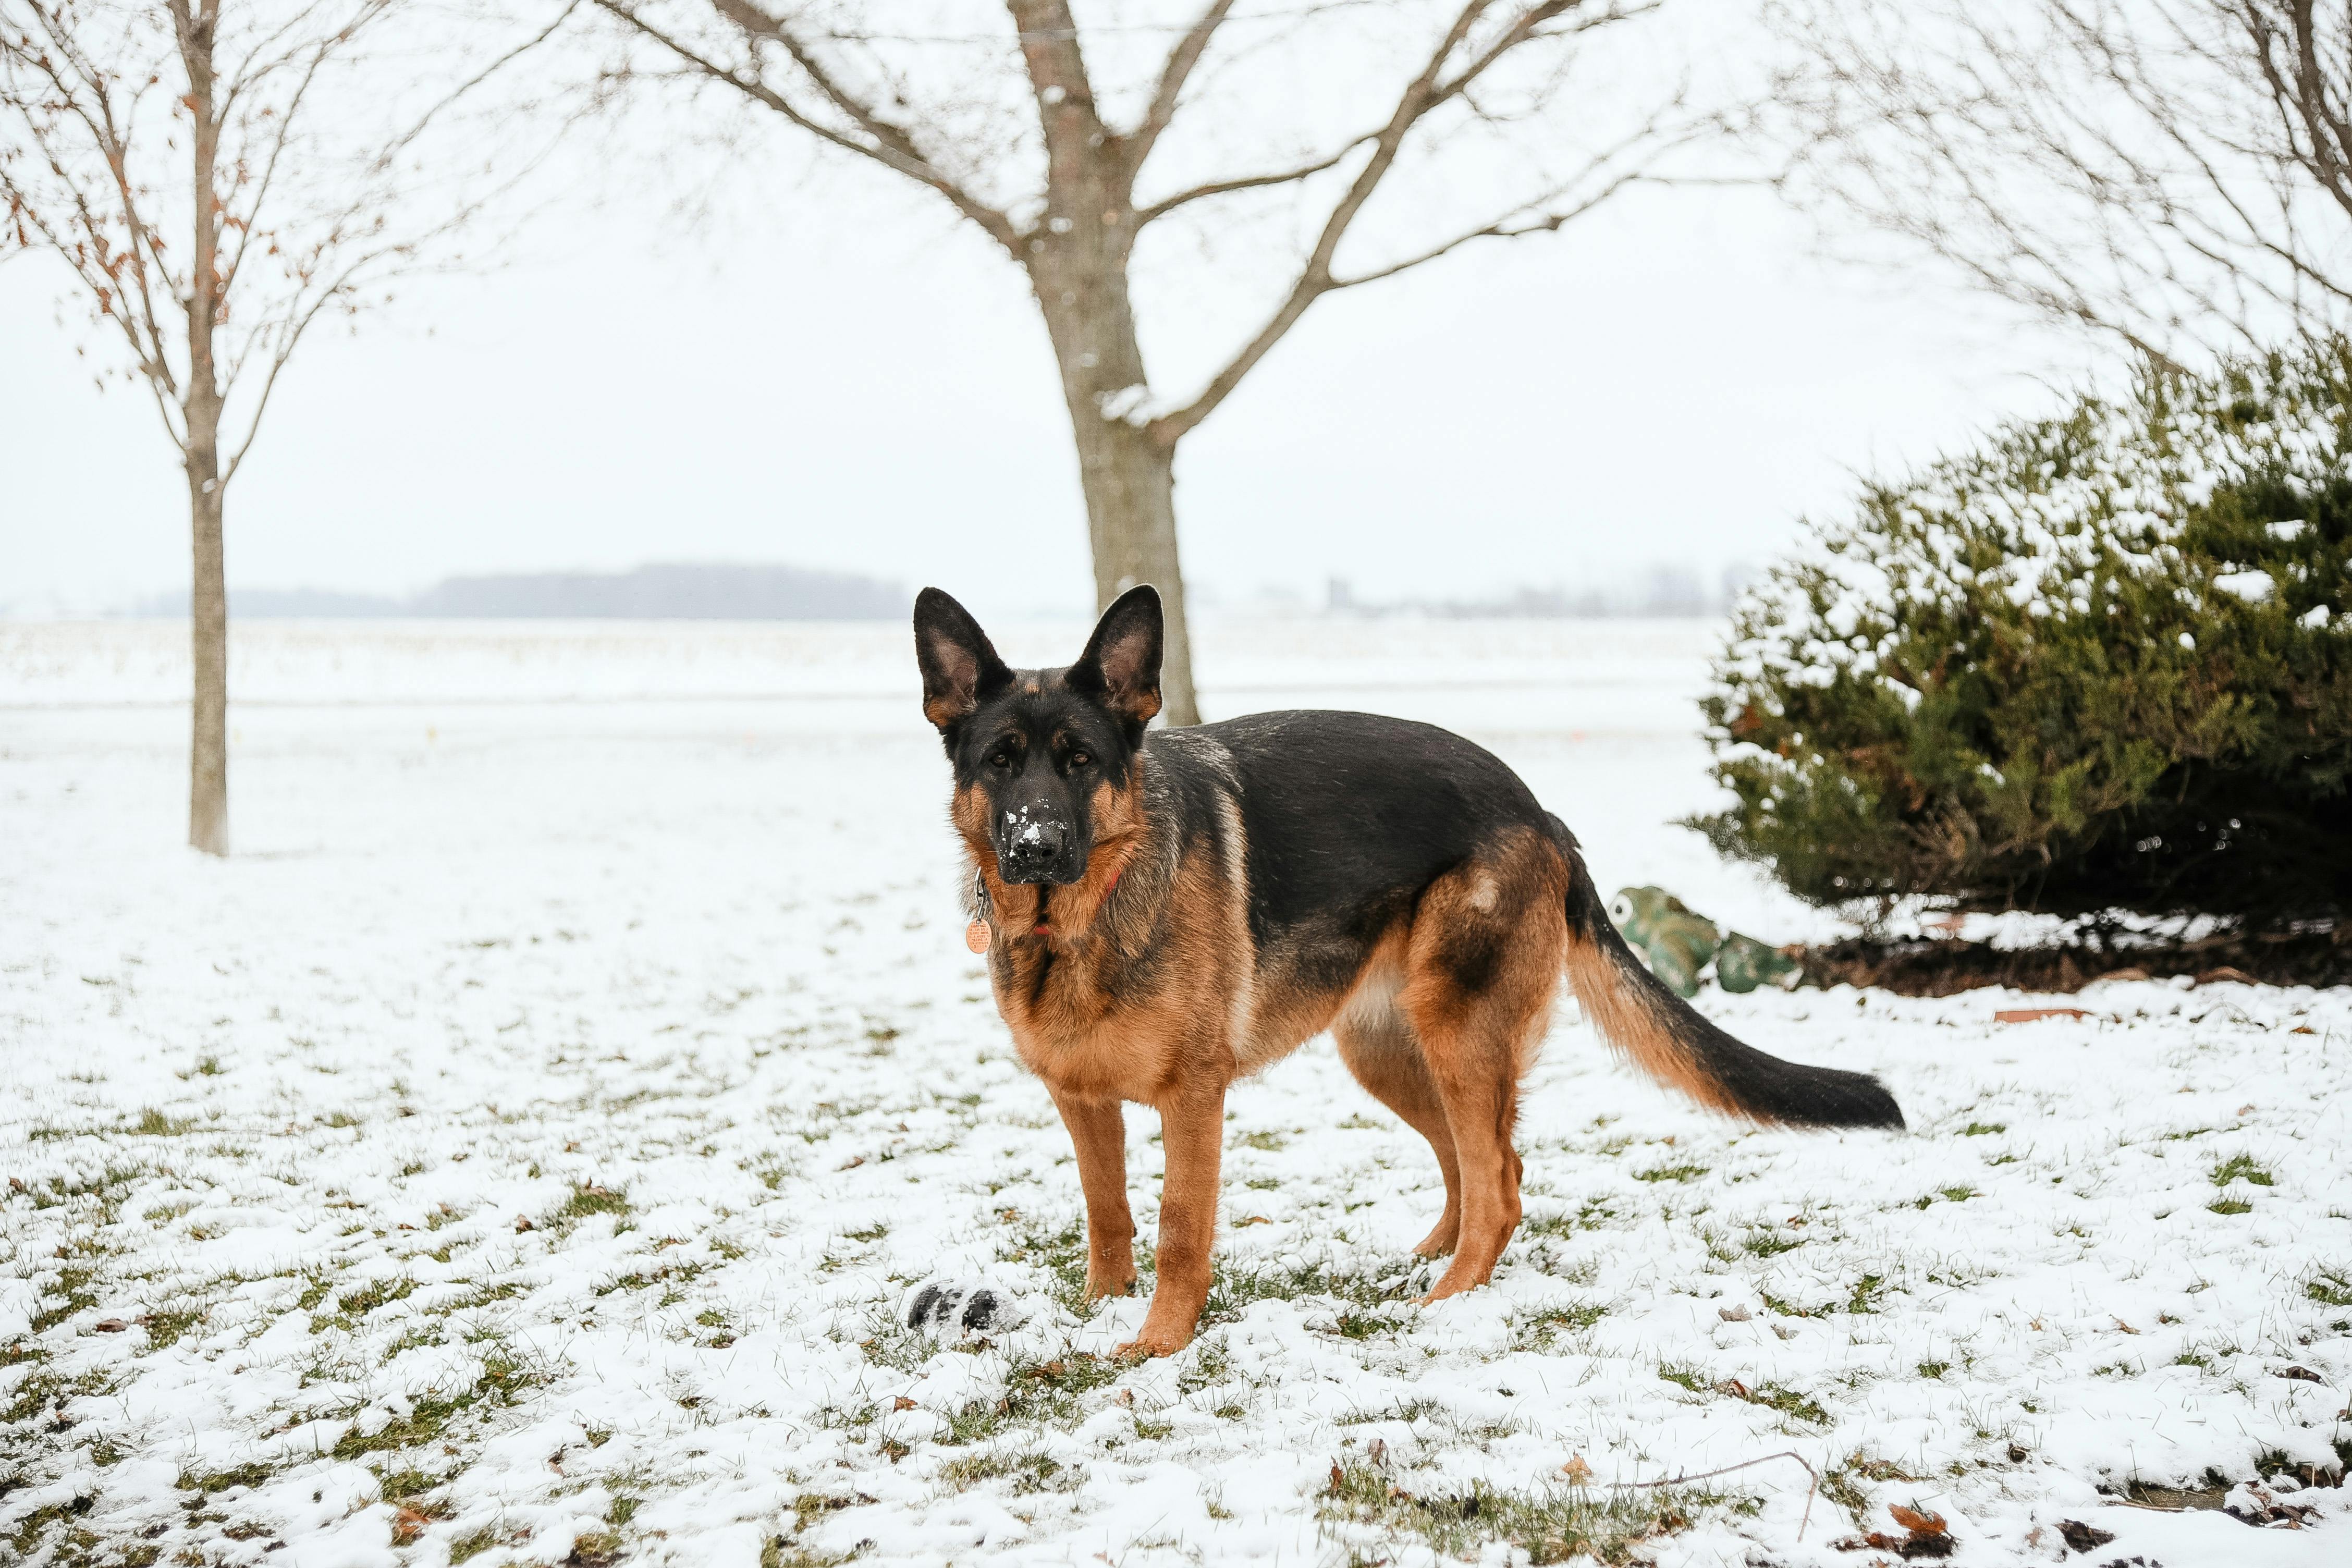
(969, 1306)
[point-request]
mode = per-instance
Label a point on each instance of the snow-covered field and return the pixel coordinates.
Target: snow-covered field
(521, 1150)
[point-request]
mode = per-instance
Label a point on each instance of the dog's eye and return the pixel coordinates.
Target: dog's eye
(1079, 759)
(998, 760)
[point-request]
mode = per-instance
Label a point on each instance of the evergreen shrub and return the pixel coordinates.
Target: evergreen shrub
(2102, 664)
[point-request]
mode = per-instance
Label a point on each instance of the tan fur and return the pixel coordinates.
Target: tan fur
(1623, 1017)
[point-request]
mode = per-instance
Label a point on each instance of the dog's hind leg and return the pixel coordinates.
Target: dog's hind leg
(1481, 967)
(1378, 1048)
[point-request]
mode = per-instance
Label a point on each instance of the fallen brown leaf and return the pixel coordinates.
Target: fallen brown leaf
(1915, 1521)
(2084, 1537)
(2035, 1014)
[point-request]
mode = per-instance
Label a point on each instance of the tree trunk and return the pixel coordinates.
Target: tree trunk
(1130, 487)
(208, 634)
(200, 405)
(1079, 271)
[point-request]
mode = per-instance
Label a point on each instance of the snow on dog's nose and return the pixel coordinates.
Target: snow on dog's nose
(1031, 844)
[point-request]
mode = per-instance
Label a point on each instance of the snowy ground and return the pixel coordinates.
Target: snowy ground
(518, 1152)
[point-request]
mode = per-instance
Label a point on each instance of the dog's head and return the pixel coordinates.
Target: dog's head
(1045, 759)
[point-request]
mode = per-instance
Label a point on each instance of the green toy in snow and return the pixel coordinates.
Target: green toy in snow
(1678, 942)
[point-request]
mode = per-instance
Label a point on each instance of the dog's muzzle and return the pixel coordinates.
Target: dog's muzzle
(1035, 848)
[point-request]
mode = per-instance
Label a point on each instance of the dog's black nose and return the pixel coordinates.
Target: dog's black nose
(1033, 845)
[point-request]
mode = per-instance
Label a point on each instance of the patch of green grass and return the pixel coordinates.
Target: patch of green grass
(1061, 1253)
(1233, 1286)
(1264, 1142)
(354, 1305)
(1983, 1129)
(1538, 1332)
(1671, 1173)
(1764, 1241)
(670, 1274)
(503, 1379)
(782, 1554)
(1206, 1365)
(1933, 1368)
(1788, 1401)
(1587, 1217)
(1035, 1393)
(32, 1529)
(71, 1293)
(598, 1549)
(393, 1486)
(2330, 1288)
(31, 1396)
(2241, 1168)
(153, 1123)
(1842, 1485)
(1029, 1472)
(164, 1328)
(872, 1233)
(2230, 1206)
(1551, 1526)
(468, 1547)
(592, 1199)
(1771, 1395)
(213, 1481)
(1862, 1298)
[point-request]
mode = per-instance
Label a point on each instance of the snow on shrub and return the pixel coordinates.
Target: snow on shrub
(2102, 664)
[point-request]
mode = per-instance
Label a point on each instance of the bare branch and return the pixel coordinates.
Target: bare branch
(1182, 61)
(1429, 88)
(2177, 173)
(1166, 205)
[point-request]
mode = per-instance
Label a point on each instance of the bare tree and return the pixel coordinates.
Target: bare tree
(2174, 173)
(1383, 137)
(220, 175)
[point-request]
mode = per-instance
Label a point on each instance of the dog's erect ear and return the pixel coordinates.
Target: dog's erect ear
(960, 667)
(1121, 664)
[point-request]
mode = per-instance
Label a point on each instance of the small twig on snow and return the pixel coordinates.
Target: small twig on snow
(1813, 1475)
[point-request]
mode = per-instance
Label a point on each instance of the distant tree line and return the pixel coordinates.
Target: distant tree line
(676, 592)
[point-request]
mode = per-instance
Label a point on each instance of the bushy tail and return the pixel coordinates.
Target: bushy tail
(1673, 1043)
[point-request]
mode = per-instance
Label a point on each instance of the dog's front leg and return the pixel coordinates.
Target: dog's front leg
(1192, 1131)
(1098, 1134)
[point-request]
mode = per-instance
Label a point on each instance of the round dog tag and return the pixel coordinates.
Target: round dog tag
(975, 936)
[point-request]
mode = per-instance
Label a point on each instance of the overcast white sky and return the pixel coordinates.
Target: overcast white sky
(834, 374)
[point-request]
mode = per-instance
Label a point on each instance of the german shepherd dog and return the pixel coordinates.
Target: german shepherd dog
(1164, 913)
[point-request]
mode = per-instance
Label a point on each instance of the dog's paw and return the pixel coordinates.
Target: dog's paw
(973, 1306)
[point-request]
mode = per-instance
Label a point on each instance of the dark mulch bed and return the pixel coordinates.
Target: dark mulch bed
(1939, 968)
